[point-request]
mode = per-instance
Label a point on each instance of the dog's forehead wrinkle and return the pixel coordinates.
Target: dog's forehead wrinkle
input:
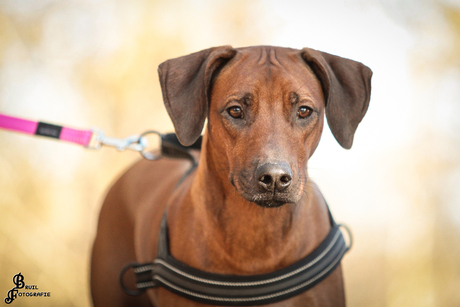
(262, 57)
(274, 59)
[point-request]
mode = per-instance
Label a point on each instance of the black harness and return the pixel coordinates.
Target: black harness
(236, 290)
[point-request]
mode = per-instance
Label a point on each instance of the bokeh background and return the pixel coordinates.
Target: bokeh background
(92, 63)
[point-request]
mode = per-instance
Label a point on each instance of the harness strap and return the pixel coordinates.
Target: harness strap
(236, 290)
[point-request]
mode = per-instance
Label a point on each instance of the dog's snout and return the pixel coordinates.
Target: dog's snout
(274, 177)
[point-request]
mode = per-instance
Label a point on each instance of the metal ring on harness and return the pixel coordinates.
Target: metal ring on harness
(122, 285)
(170, 147)
(350, 235)
(147, 154)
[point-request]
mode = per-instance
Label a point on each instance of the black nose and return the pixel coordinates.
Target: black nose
(274, 176)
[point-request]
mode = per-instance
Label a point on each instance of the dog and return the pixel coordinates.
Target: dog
(249, 207)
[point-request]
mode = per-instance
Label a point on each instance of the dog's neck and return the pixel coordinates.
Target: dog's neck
(235, 236)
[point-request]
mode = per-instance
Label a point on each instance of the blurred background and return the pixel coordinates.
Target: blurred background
(93, 63)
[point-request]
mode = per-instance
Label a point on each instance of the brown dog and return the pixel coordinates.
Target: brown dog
(249, 208)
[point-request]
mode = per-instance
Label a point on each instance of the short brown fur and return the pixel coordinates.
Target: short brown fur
(226, 217)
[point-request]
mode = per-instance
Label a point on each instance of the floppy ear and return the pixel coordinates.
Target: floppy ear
(346, 86)
(185, 83)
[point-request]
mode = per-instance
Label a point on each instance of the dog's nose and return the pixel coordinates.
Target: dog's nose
(274, 176)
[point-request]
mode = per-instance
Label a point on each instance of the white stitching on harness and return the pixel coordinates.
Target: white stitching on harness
(247, 284)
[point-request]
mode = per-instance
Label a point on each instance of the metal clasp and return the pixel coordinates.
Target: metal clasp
(137, 143)
(133, 142)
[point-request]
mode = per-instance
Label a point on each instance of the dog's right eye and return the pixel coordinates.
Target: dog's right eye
(304, 112)
(235, 112)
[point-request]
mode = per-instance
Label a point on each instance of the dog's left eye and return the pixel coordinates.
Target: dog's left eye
(304, 112)
(235, 112)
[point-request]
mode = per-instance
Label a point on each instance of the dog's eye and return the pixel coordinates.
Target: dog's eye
(304, 112)
(235, 112)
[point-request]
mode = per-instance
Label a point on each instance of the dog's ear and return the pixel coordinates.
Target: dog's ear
(346, 86)
(185, 83)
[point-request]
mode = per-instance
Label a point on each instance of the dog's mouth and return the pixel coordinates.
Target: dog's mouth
(273, 201)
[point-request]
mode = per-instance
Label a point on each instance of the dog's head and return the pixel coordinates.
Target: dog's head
(265, 108)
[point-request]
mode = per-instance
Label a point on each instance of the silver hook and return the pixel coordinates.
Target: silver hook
(137, 143)
(133, 142)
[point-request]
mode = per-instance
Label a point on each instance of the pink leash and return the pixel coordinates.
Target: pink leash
(82, 137)
(92, 139)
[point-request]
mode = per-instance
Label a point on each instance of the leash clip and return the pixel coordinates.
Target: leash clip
(132, 142)
(137, 143)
